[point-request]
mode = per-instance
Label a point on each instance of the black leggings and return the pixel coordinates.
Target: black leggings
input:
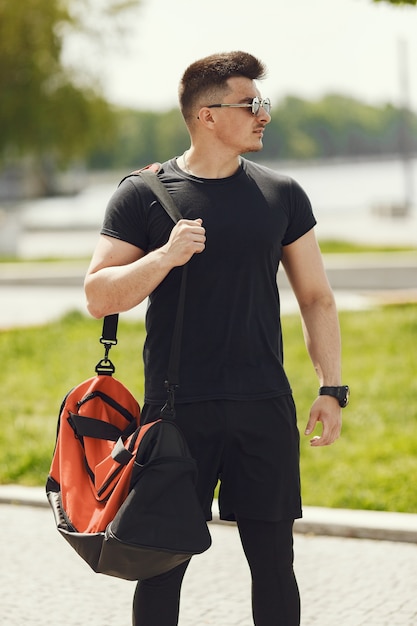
(268, 547)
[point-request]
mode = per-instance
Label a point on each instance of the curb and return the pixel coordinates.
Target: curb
(377, 525)
(356, 271)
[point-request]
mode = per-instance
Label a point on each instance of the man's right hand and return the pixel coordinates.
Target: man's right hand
(188, 237)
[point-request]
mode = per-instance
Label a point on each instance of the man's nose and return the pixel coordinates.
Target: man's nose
(264, 115)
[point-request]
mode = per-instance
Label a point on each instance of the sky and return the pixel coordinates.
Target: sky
(310, 47)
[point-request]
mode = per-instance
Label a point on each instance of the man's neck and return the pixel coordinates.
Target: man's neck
(203, 166)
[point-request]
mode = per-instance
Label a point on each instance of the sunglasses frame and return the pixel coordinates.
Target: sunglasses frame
(256, 103)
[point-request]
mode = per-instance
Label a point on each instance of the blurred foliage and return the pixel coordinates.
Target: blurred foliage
(46, 111)
(413, 2)
(336, 126)
(333, 126)
(142, 137)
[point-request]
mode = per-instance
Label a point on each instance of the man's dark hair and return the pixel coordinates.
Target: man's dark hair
(207, 77)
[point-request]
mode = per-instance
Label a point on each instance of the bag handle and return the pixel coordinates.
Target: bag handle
(110, 322)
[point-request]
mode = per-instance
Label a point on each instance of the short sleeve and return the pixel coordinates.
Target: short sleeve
(125, 217)
(300, 213)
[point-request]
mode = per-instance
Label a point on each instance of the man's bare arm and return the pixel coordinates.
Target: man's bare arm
(121, 275)
(304, 266)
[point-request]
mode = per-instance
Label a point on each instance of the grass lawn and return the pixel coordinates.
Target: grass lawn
(373, 465)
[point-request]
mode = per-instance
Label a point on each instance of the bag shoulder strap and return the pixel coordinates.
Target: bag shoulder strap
(161, 193)
(110, 322)
(149, 175)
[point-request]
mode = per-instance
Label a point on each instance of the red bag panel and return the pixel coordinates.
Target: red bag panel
(93, 485)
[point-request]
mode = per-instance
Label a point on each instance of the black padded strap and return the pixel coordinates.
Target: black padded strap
(108, 339)
(109, 335)
(84, 426)
(159, 190)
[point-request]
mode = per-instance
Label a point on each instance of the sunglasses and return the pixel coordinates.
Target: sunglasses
(255, 105)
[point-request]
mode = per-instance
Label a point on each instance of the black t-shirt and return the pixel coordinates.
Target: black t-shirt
(231, 345)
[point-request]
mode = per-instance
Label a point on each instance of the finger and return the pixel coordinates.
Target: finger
(311, 424)
(329, 435)
(198, 221)
(320, 441)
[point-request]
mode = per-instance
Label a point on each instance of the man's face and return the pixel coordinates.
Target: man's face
(238, 128)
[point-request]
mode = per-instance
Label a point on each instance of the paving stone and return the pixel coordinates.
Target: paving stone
(343, 581)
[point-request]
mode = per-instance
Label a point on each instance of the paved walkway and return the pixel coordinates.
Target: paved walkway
(343, 581)
(34, 293)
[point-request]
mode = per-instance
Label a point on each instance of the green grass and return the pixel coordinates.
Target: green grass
(372, 466)
(374, 463)
(346, 247)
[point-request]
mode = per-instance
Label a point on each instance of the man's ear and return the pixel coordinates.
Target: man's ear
(205, 116)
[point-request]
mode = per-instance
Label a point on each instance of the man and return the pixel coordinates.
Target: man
(234, 404)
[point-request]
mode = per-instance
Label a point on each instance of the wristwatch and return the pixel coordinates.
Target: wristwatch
(340, 393)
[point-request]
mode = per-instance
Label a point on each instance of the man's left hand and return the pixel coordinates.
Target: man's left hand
(326, 410)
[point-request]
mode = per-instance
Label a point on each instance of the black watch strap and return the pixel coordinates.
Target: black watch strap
(341, 394)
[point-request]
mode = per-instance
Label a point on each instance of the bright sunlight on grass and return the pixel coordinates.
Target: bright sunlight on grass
(371, 467)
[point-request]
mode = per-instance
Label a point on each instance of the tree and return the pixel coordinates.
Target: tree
(45, 109)
(335, 125)
(142, 137)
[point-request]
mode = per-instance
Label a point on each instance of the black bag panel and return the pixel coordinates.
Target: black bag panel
(162, 509)
(87, 545)
(105, 554)
(163, 439)
(134, 562)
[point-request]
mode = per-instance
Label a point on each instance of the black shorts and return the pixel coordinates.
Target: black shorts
(251, 447)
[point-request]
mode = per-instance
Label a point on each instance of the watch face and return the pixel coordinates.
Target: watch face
(344, 397)
(340, 393)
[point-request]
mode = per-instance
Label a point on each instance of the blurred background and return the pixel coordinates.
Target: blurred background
(89, 92)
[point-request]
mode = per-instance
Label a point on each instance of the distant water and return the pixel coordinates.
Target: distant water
(357, 186)
(347, 199)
